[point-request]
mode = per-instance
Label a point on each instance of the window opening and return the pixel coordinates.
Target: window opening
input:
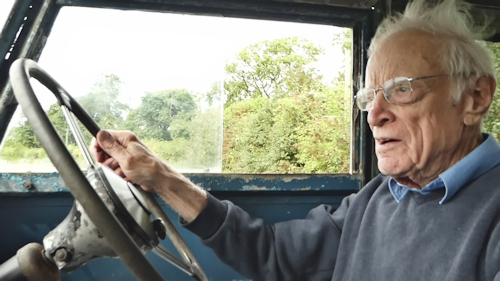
(207, 94)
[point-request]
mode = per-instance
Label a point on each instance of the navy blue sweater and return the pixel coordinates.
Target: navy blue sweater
(370, 237)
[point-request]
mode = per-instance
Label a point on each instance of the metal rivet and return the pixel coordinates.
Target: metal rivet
(28, 185)
(61, 255)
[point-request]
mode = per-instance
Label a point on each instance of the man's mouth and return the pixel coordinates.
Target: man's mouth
(387, 141)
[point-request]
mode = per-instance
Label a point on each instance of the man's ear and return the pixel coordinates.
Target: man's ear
(478, 100)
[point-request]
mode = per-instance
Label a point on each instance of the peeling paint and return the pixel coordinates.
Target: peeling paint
(253, 187)
(303, 188)
(52, 182)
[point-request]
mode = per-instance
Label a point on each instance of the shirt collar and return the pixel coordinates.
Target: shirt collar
(482, 159)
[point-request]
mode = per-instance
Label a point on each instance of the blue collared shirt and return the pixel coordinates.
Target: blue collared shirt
(482, 159)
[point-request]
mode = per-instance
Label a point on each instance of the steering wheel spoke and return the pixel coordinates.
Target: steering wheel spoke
(78, 134)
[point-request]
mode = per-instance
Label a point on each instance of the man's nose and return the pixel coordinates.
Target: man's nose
(379, 114)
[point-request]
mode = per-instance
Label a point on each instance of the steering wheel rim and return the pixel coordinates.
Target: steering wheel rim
(120, 241)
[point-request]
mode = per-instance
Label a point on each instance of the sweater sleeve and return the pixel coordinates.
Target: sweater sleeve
(302, 250)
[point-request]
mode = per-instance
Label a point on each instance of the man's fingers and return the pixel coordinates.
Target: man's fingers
(112, 163)
(97, 151)
(110, 145)
(123, 137)
(120, 172)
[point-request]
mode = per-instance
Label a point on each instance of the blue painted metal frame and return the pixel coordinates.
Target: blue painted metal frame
(52, 182)
(27, 215)
(24, 36)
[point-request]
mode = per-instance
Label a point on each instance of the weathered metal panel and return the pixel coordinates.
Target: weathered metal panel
(359, 4)
(221, 182)
(29, 183)
(13, 36)
(270, 10)
(29, 217)
(23, 36)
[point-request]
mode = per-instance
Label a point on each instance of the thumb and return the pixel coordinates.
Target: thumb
(110, 145)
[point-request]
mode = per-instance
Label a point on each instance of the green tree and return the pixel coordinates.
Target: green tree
(23, 135)
(102, 103)
(491, 122)
(214, 96)
(272, 69)
(202, 151)
(298, 134)
(153, 118)
(196, 135)
(56, 115)
(293, 124)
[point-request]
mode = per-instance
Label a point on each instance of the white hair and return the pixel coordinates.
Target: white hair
(461, 55)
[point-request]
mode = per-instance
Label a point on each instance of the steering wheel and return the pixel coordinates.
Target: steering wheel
(108, 219)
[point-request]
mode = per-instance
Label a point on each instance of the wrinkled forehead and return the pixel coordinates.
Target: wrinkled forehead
(405, 54)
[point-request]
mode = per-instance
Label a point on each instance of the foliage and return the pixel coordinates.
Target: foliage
(344, 40)
(102, 103)
(199, 152)
(13, 151)
(16, 152)
(153, 118)
(491, 122)
(297, 134)
(205, 130)
(279, 116)
(23, 135)
(214, 96)
(272, 69)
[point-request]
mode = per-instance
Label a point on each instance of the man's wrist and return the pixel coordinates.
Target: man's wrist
(181, 194)
(172, 182)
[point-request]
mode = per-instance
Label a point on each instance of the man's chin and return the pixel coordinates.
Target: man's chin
(392, 170)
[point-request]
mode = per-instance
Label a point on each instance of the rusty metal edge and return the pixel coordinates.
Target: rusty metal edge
(52, 182)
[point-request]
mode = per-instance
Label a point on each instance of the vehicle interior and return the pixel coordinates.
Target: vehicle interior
(251, 100)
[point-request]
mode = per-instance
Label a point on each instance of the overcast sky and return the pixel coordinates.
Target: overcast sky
(156, 51)
(5, 6)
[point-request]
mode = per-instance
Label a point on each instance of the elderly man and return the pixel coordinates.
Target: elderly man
(433, 215)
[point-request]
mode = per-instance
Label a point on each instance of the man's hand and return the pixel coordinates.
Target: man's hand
(129, 158)
(132, 160)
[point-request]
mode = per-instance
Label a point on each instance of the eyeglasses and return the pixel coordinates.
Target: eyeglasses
(396, 91)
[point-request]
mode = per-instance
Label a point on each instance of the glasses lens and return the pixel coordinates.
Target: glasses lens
(364, 98)
(398, 90)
